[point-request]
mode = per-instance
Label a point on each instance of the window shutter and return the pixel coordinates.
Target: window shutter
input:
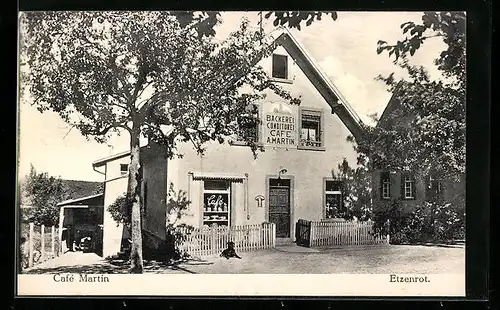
(381, 184)
(402, 186)
(321, 128)
(414, 186)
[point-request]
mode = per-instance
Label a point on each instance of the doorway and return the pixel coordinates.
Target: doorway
(279, 206)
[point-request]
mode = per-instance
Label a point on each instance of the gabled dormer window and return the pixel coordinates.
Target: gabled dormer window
(280, 66)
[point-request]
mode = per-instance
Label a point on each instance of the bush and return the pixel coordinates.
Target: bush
(430, 222)
(121, 211)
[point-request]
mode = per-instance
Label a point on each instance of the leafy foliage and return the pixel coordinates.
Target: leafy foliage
(293, 19)
(142, 71)
(358, 191)
(429, 222)
(160, 75)
(425, 133)
(44, 193)
(450, 26)
(121, 210)
(177, 203)
(425, 130)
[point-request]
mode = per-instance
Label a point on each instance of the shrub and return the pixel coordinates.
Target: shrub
(430, 222)
(120, 210)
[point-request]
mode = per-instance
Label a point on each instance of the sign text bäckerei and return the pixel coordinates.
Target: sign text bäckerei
(279, 129)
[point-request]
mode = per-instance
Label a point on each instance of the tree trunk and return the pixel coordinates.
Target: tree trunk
(134, 192)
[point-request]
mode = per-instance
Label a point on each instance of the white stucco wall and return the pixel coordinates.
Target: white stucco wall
(115, 186)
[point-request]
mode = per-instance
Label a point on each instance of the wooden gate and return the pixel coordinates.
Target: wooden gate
(303, 233)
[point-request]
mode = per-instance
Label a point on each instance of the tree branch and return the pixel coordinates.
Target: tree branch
(108, 128)
(125, 107)
(140, 81)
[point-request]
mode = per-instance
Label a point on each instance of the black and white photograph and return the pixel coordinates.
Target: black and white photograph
(298, 152)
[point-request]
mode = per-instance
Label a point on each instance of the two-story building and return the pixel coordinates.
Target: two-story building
(290, 179)
(406, 187)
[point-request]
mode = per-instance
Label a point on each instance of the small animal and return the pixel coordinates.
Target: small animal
(229, 252)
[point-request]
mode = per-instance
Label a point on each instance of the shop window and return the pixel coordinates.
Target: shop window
(280, 66)
(216, 202)
(334, 199)
(311, 129)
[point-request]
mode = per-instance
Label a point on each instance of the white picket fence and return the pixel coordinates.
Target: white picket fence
(344, 233)
(200, 242)
(43, 244)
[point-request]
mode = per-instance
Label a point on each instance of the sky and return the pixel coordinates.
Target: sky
(344, 49)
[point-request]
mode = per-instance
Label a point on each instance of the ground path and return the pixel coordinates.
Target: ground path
(288, 259)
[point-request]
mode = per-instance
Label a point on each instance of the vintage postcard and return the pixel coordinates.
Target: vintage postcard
(241, 153)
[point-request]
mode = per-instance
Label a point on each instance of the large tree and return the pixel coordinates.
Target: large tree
(433, 138)
(159, 75)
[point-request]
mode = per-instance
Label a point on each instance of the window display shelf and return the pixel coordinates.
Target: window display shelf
(216, 220)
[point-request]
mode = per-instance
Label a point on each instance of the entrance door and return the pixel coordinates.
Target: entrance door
(279, 206)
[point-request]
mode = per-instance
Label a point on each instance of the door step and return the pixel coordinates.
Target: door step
(284, 241)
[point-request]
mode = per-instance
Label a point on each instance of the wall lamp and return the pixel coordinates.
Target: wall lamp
(281, 171)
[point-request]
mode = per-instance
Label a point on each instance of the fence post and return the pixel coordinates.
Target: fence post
(388, 231)
(53, 239)
(273, 241)
(312, 234)
(213, 236)
(42, 236)
(30, 250)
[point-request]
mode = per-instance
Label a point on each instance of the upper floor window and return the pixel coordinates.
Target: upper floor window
(123, 169)
(385, 181)
(334, 200)
(408, 183)
(280, 66)
(311, 129)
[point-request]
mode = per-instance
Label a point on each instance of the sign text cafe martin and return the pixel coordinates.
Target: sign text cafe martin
(279, 127)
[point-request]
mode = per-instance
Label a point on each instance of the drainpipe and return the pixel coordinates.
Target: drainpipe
(94, 168)
(245, 201)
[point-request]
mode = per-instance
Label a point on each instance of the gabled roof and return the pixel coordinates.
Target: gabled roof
(392, 105)
(321, 82)
(93, 199)
(103, 161)
(74, 189)
(77, 188)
